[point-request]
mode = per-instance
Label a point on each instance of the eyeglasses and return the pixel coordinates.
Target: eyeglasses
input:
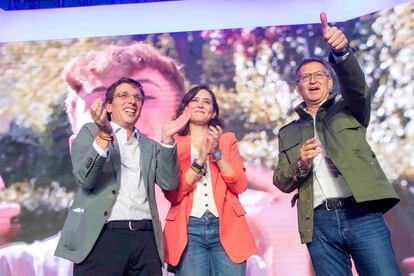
(320, 75)
(125, 95)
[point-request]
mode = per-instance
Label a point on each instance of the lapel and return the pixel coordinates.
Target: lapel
(184, 161)
(184, 151)
(334, 105)
(214, 171)
(115, 158)
(145, 157)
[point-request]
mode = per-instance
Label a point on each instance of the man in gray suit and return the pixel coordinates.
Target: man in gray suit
(113, 226)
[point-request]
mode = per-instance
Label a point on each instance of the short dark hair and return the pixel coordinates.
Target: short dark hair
(187, 99)
(109, 96)
(309, 60)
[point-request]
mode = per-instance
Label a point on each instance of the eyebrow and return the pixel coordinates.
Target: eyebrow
(319, 71)
(146, 80)
(208, 99)
(127, 92)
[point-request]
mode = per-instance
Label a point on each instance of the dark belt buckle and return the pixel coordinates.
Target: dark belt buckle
(332, 204)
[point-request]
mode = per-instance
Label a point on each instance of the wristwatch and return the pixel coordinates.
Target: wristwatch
(343, 53)
(300, 171)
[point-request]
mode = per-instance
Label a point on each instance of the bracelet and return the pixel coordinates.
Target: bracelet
(198, 166)
(104, 137)
(196, 170)
(217, 156)
(200, 169)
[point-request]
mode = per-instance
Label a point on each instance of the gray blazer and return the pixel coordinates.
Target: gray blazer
(99, 182)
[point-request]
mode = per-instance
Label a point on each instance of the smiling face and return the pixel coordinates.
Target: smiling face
(313, 84)
(161, 100)
(202, 105)
(126, 106)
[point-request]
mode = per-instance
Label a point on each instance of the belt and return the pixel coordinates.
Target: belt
(133, 225)
(332, 204)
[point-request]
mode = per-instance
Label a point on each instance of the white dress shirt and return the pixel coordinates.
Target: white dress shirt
(327, 181)
(203, 193)
(131, 202)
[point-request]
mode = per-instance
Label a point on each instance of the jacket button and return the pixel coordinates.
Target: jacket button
(206, 205)
(113, 192)
(105, 213)
(205, 194)
(88, 162)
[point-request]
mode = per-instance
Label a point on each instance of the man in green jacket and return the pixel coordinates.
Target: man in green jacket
(343, 191)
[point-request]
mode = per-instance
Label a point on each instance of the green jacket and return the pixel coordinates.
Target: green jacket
(341, 123)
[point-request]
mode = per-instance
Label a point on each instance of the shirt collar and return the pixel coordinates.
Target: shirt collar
(301, 108)
(118, 130)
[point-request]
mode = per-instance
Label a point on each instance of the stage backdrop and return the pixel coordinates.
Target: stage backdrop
(252, 73)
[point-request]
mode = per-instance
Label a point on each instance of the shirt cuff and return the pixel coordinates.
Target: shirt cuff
(339, 57)
(169, 146)
(103, 153)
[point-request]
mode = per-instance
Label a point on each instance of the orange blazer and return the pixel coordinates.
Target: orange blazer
(235, 235)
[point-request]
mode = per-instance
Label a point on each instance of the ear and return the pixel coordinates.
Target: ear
(108, 107)
(297, 89)
(330, 83)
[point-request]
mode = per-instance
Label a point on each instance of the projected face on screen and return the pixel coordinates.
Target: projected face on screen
(160, 103)
(89, 78)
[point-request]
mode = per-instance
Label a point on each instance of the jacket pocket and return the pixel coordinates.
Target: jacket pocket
(238, 209)
(290, 145)
(349, 133)
(340, 123)
(72, 233)
(289, 141)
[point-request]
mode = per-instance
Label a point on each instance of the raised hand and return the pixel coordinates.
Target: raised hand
(309, 150)
(333, 36)
(214, 134)
(98, 114)
(173, 126)
(201, 146)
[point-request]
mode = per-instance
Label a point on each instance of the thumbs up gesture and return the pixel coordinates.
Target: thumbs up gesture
(334, 37)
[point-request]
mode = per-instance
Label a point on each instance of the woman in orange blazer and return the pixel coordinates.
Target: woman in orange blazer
(206, 232)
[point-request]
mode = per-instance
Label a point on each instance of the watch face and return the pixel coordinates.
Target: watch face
(300, 172)
(341, 54)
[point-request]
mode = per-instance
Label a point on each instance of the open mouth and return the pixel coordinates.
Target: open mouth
(130, 111)
(314, 88)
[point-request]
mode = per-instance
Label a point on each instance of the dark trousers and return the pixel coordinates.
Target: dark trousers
(122, 252)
